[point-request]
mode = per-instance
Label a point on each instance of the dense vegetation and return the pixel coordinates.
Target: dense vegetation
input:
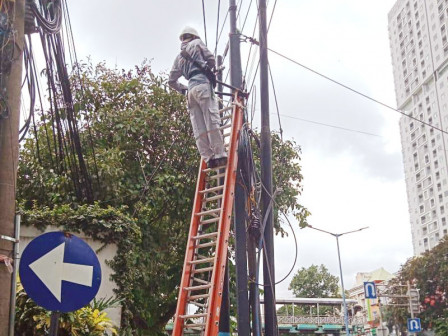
(140, 152)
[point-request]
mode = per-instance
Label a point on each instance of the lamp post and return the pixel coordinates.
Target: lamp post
(337, 235)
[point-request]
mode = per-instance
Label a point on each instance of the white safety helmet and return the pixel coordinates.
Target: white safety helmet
(188, 30)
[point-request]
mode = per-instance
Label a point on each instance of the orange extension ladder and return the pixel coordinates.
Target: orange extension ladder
(200, 292)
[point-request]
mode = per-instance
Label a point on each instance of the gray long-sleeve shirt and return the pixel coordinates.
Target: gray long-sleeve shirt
(182, 67)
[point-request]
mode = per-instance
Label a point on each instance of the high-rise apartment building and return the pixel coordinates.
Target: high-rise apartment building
(419, 50)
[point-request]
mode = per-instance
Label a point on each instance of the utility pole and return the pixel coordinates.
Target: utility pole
(224, 319)
(236, 75)
(266, 178)
(9, 153)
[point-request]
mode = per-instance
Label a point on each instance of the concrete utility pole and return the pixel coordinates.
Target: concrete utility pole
(9, 153)
(236, 75)
(266, 178)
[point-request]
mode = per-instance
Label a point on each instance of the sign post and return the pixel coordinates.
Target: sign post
(60, 272)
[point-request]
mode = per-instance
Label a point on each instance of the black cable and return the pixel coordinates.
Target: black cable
(50, 19)
(217, 28)
(357, 92)
(82, 88)
(276, 102)
(205, 25)
(222, 29)
(328, 125)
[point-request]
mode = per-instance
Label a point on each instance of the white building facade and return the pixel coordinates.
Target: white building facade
(419, 51)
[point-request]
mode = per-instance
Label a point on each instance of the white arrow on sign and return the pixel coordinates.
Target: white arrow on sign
(370, 290)
(51, 270)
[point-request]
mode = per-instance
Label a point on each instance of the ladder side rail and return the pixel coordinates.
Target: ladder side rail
(212, 327)
(186, 274)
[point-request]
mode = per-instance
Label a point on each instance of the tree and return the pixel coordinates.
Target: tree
(314, 282)
(429, 274)
(138, 145)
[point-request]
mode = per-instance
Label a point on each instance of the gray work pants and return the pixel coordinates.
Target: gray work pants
(204, 116)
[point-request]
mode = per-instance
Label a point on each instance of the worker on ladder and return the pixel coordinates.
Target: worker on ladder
(195, 63)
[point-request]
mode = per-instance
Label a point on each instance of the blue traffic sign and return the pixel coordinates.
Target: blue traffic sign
(60, 272)
(414, 325)
(370, 290)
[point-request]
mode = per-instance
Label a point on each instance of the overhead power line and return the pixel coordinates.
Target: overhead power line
(351, 89)
(329, 125)
(205, 25)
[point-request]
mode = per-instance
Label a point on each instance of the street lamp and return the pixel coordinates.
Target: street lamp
(337, 235)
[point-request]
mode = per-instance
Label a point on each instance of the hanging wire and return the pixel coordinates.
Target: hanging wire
(217, 28)
(205, 25)
(357, 92)
(276, 103)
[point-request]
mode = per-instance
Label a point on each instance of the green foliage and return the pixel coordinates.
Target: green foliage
(315, 282)
(429, 274)
(312, 282)
(32, 320)
(139, 148)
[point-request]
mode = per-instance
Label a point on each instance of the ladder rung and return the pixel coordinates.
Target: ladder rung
(227, 117)
(208, 212)
(200, 280)
(208, 170)
(212, 198)
(225, 127)
(228, 108)
(217, 176)
(225, 135)
(201, 305)
(201, 261)
(202, 270)
(193, 316)
(196, 288)
(206, 235)
(206, 244)
(194, 325)
(209, 221)
(200, 296)
(212, 189)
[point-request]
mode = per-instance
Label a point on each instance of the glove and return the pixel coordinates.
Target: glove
(184, 92)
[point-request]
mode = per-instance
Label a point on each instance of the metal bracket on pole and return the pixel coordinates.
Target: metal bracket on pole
(241, 93)
(11, 239)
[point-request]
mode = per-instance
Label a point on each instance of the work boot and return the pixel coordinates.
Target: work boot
(214, 163)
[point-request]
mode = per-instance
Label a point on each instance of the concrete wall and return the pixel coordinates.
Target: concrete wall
(107, 253)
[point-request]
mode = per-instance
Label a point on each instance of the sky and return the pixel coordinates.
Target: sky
(351, 179)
